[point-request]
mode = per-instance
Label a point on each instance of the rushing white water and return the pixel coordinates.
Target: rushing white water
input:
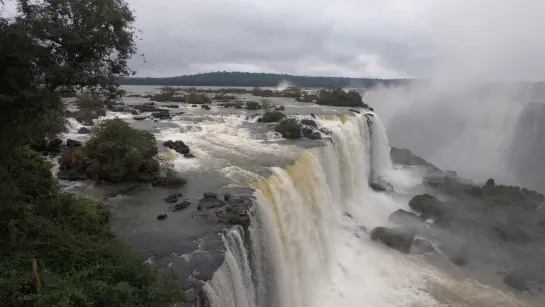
(309, 238)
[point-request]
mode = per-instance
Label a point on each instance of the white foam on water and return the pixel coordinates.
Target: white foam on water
(309, 247)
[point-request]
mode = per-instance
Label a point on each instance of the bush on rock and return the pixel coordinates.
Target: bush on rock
(118, 152)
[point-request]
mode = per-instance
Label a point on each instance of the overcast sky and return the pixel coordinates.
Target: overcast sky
(372, 38)
(481, 39)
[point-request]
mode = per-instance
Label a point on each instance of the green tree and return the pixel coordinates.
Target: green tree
(57, 249)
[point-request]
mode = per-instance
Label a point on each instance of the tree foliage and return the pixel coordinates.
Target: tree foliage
(57, 249)
(248, 79)
(336, 96)
(119, 153)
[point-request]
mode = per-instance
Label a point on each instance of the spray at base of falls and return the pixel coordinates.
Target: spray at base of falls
(309, 242)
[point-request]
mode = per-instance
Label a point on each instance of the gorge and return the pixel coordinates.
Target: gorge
(306, 212)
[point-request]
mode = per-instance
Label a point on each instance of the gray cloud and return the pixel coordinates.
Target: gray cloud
(388, 38)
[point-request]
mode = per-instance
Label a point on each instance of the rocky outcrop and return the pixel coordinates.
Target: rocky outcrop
(311, 133)
(73, 165)
(428, 206)
(399, 239)
(161, 114)
(309, 122)
(178, 146)
(172, 198)
(273, 116)
(73, 143)
(405, 218)
(289, 129)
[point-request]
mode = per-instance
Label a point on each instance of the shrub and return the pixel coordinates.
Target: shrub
(91, 106)
(428, 206)
(273, 116)
(289, 128)
(253, 105)
(196, 98)
(336, 96)
(119, 152)
(208, 195)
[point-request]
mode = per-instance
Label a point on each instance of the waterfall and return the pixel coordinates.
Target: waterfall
(380, 150)
(309, 242)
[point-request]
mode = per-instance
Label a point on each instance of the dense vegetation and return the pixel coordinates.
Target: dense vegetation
(336, 96)
(258, 80)
(57, 249)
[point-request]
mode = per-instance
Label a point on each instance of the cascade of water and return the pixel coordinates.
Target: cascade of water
(309, 242)
(380, 150)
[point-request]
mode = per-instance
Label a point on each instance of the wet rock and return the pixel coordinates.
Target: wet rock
(134, 112)
(194, 106)
(178, 146)
(140, 117)
(326, 131)
(405, 218)
(289, 128)
(422, 246)
(73, 143)
(310, 133)
(428, 206)
(381, 186)
(490, 182)
(354, 110)
(312, 115)
(206, 107)
(210, 203)
(399, 239)
(149, 107)
(516, 282)
(171, 106)
(273, 116)
(84, 130)
(162, 114)
(181, 206)
(226, 196)
(280, 108)
(189, 156)
(309, 122)
(73, 165)
(172, 198)
(161, 217)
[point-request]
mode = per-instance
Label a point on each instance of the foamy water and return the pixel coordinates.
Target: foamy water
(309, 252)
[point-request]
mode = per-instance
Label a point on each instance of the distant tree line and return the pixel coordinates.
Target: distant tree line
(259, 80)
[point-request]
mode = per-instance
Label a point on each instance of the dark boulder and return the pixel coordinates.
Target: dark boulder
(161, 217)
(146, 107)
(134, 112)
(326, 131)
(161, 114)
(490, 182)
(140, 117)
(309, 122)
(289, 128)
(280, 108)
(381, 186)
(399, 239)
(171, 106)
(189, 156)
(405, 218)
(181, 206)
(273, 116)
(210, 203)
(172, 198)
(428, 206)
(310, 133)
(178, 146)
(206, 107)
(422, 246)
(193, 105)
(73, 143)
(84, 130)
(355, 111)
(73, 165)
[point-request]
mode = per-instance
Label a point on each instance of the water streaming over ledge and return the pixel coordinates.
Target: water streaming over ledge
(309, 242)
